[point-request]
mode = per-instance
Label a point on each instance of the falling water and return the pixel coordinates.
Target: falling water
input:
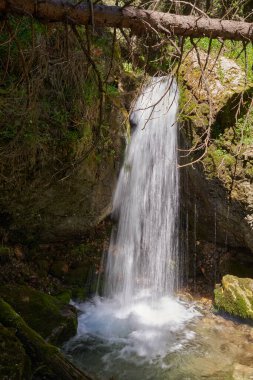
(139, 320)
(143, 253)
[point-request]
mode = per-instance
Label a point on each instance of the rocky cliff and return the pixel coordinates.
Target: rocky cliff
(216, 126)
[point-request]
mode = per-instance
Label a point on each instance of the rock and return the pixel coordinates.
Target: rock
(14, 362)
(235, 296)
(78, 276)
(52, 363)
(79, 294)
(242, 372)
(215, 85)
(43, 266)
(64, 296)
(217, 194)
(19, 254)
(59, 269)
(52, 318)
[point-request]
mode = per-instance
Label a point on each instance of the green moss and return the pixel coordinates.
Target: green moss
(10, 318)
(78, 276)
(191, 108)
(235, 296)
(79, 294)
(14, 362)
(4, 251)
(5, 254)
(64, 297)
(45, 314)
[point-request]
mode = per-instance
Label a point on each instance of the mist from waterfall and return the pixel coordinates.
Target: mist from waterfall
(143, 254)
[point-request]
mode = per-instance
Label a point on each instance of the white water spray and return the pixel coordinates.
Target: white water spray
(139, 320)
(143, 254)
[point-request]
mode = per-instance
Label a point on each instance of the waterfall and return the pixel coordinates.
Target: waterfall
(139, 320)
(143, 254)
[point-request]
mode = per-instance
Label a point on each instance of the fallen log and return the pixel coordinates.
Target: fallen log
(138, 20)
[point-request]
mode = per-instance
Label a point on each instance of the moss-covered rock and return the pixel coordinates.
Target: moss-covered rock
(79, 294)
(52, 364)
(78, 276)
(208, 86)
(14, 362)
(235, 296)
(217, 191)
(51, 317)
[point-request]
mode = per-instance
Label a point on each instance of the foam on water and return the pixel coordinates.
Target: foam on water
(145, 329)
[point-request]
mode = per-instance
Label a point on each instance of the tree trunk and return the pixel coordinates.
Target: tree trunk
(138, 20)
(37, 348)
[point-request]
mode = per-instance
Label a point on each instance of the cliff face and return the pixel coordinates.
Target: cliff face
(216, 112)
(54, 187)
(56, 175)
(62, 204)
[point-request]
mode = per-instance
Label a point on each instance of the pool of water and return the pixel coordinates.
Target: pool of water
(159, 339)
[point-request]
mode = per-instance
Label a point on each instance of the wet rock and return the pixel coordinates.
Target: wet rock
(51, 317)
(235, 296)
(14, 362)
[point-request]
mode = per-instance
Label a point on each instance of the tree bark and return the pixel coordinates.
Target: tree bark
(37, 348)
(138, 20)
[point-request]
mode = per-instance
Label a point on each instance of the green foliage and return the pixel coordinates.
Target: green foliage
(221, 156)
(128, 67)
(112, 90)
(90, 91)
(244, 128)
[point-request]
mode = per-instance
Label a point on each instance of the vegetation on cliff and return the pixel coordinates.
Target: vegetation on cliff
(65, 97)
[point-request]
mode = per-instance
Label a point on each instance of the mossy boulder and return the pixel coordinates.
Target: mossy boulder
(14, 362)
(235, 296)
(51, 317)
